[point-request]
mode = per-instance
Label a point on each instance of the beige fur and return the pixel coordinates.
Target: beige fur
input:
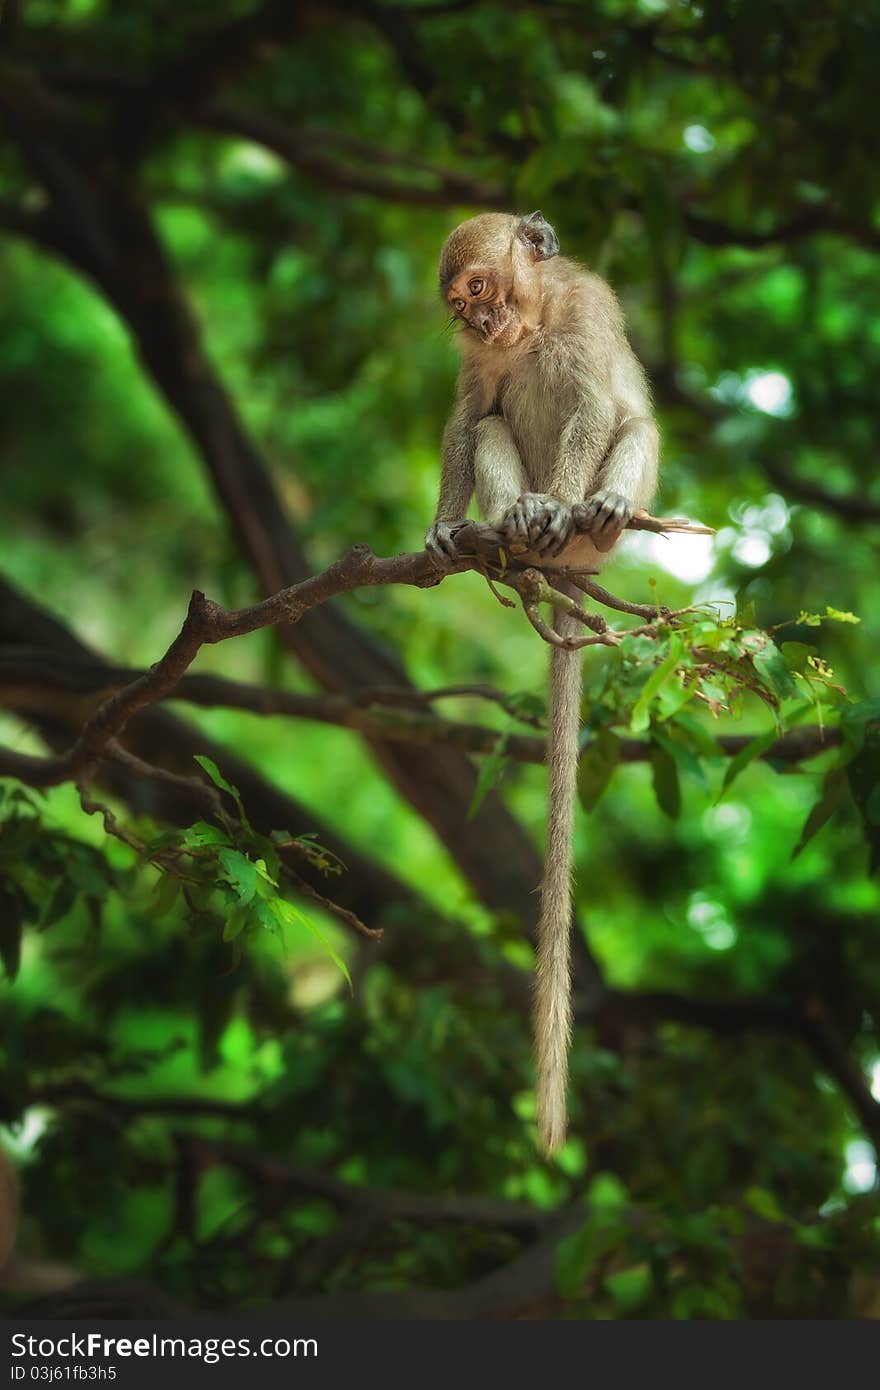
(557, 404)
(553, 973)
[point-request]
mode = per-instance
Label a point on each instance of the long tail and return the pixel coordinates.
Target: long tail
(553, 975)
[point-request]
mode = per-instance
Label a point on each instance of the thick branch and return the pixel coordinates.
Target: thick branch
(207, 622)
(815, 221)
(809, 1023)
(352, 169)
(32, 678)
(383, 1204)
(855, 508)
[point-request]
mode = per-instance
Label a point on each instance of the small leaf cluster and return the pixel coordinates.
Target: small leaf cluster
(45, 873)
(656, 686)
(230, 873)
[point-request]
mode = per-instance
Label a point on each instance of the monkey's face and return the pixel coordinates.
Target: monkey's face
(483, 300)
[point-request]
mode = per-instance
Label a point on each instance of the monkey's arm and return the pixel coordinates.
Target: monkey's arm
(631, 467)
(457, 477)
(610, 446)
(584, 359)
(456, 480)
(627, 480)
(583, 444)
(628, 476)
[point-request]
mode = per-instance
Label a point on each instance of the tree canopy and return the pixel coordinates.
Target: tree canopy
(268, 855)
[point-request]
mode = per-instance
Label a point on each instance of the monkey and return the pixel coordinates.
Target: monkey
(553, 411)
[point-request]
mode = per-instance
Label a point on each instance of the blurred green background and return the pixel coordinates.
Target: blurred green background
(222, 362)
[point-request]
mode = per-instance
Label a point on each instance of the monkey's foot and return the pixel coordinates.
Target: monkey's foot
(603, 516)
(441, 545)
(538, 522)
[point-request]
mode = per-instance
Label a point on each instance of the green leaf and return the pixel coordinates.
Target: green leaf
(641, 718)
(164, 841)
(705, 743)
(596, 767)
(235, 923)
(741, 760)
(770, 666)
(857, 720)
(796, 656)
(488, 776)
(833, 787)
(262, 870)
(746, 612)
(838, 615)
(240, 872)
(64, 895)
(165, 895)
(526, 705)
(579, 1254)
(263, 914)
(89, 872)
(288, 915)
(764, 1204)
(201, 834)
(630, 1288)
(220, 781)
(673, 697)
(684, 756)
(666, 785)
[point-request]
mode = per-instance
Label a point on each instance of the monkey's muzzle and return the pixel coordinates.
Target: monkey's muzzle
(491, 320)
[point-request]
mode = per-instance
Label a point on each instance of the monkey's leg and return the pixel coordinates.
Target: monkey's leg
(499, 476)
(531, 518)
(626, 482)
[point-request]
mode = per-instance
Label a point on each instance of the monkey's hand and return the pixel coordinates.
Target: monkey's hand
(440, 543)
(603, 516)
(538, 522)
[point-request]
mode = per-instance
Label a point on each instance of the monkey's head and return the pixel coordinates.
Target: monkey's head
(487, 272)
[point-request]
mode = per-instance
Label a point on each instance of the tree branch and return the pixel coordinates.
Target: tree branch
(813, 222)
(384, 712)
(207, 623)
(162, 740)
(305, 150)
(808, 1022)
(381, 1204)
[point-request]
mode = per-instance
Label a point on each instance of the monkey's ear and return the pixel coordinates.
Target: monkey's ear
(536, 230)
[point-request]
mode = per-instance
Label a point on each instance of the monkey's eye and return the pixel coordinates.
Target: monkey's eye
(458, 305)
(477, 286)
